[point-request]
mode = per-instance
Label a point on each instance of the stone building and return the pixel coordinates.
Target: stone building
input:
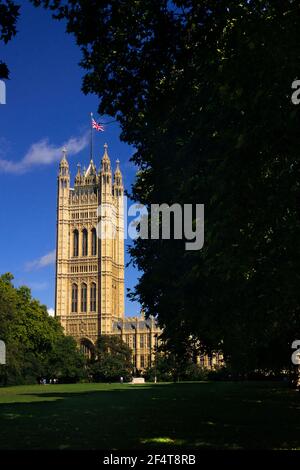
(90, 268)
(89, 299)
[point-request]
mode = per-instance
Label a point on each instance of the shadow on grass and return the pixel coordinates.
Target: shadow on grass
(202, 415)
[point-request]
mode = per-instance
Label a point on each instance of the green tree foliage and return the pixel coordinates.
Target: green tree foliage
(165, 369)
(169, 368)
(9, 13)
(64, 362)
(35, 343)
(111, 360)
(202, 89)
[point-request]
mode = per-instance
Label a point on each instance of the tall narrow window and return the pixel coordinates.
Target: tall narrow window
(93, 297)
(84, 242)
(94, 242)
(74, 298)
(75, 242)
(83, 297)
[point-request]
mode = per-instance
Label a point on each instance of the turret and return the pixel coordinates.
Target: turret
(78, 176)
(62, 235)
(105, 173)
(64, 165)
(91, 173)
(64, 175)
(118, 182)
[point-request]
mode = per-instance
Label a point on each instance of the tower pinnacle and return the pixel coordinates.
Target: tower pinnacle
(118, 183)
(105, 160)
(64, 161)
(64, 165)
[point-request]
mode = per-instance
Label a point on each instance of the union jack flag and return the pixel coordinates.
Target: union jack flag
(97, 126)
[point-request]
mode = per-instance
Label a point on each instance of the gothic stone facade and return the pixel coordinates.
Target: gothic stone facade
(90, 269)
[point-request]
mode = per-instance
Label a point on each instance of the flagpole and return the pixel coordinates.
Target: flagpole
(91, 137)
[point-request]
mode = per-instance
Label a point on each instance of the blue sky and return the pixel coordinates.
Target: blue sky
(44, 109)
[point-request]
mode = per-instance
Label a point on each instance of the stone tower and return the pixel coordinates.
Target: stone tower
(90, 250)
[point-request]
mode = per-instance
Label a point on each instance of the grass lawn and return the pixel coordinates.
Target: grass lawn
(114, 416)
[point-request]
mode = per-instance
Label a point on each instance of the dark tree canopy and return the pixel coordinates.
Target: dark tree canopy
(112, 360)
(202, 90)
(9, 13)
(35, 343)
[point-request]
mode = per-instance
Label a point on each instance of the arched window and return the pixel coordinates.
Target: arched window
(93, 297)
(94, 242)
(74, 298)
(75, 242)
(84, 242)
(83, 297)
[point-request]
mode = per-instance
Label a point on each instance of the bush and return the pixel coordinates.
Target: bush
(35, 342)
(194, 372)
(112, 360)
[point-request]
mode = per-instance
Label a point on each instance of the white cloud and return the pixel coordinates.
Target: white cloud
(39, 263)
(51, 312)
(43, 153)
(38, 285)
